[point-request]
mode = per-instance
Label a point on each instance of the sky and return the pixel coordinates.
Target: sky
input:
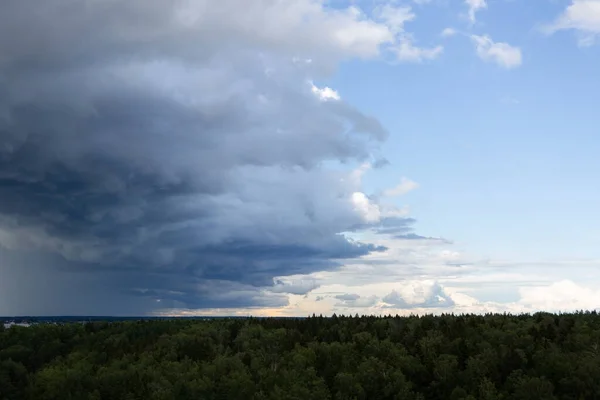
(285, 158)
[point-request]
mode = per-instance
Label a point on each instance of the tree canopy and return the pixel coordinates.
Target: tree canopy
(540, 356)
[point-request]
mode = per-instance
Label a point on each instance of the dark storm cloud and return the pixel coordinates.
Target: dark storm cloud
(169, 154)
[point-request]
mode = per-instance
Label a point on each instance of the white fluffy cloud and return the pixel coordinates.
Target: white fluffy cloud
(325, 93)
(395, 16)
(404, 48)
(407, 51)
(583, 16)
(560, 296)
(474, 6)
(368, 210)
(447, 32)
(501, 53)
(419, 294)
(406, 185)
(564, 295)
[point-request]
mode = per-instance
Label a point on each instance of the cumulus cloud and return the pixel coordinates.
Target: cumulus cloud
(405, 49)
(325, 93)
(419, 294)
(558, 296)
(174, 154)
(474, 6)
(395, 16)
(430, 296)
(501, 53)
(582, 16)
(406, 185)
(447, 32)
(563, 296)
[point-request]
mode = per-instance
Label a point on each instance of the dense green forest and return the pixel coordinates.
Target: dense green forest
(541, 356)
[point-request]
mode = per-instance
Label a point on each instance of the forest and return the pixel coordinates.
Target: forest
(495, 356)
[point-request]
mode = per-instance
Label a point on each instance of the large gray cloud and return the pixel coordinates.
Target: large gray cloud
(172, 153)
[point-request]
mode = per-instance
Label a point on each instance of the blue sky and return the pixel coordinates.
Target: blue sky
(225, 157)
(505, 159)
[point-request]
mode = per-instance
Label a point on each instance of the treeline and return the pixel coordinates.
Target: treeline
(541, 356)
